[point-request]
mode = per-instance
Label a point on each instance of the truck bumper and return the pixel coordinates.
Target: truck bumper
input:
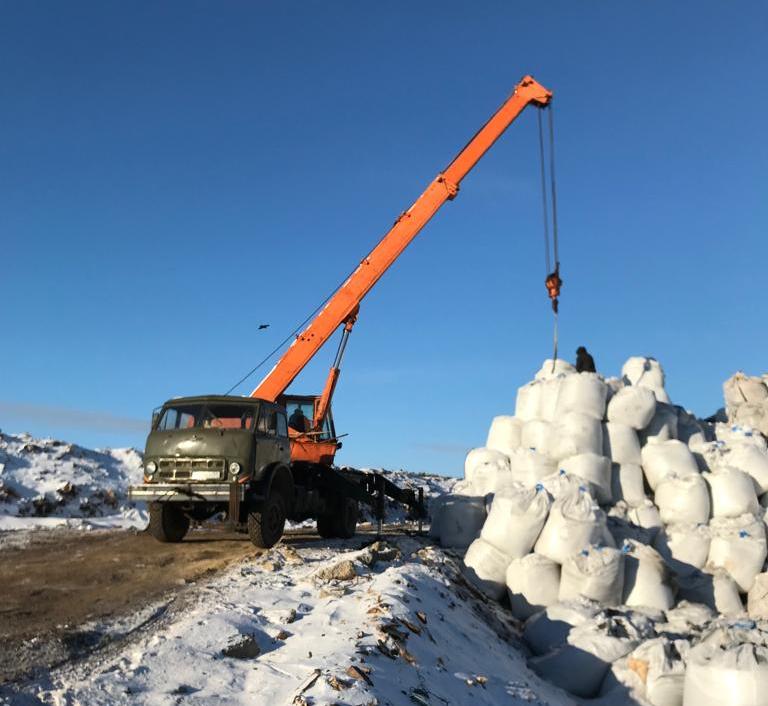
(187, 492)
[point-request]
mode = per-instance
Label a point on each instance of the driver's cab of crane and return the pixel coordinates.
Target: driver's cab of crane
(301, 413)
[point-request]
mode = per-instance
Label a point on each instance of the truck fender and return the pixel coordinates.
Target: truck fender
(279, 478)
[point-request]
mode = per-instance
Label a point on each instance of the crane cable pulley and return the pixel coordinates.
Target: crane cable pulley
(552, 281)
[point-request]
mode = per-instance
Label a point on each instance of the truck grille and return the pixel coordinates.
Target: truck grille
(181, 468)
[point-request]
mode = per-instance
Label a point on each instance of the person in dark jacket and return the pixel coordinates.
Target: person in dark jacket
(298, 420)
(585, 363)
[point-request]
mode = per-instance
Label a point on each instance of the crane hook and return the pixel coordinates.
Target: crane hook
(553, 283)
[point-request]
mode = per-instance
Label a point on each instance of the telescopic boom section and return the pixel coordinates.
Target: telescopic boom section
(342, 306)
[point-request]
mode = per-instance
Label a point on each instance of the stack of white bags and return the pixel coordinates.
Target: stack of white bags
(601, 507)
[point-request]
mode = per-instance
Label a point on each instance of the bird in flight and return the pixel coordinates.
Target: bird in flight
(261, 326)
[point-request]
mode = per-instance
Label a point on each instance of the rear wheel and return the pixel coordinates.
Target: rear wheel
(266, 525)
(167, 523)
(341, 521)
(325, 526)
(346, 519)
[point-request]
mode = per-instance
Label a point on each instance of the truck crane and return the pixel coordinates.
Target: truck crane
(268, 457)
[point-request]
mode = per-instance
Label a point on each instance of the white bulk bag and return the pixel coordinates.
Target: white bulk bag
(580, 665)
(685, 617)
(717, 590)
(535, 436)
(733, 434)
(752, 460)
(596, 573)
(593, 469)
(550, 369)
(549, 396)
(460, 520)
(685, 547)
(646, 515)
(504, 434)
(663, 425)
(627, 484)
(514, 523)
(647, 580)
(532, 584)
(734, 676)
(733, 492)
(663, 458)
(435, 508)
(738, 546)
(647, 373)
(529, 467)
(528, 401)
(742, 389)
(573, 434)
(643, 372)
(573, 524)
(659, 666)
(549, 629)
(632, 406)
(486, 567)
(683, 499)
(583, 393)
(753, 416)
(620, 443)
(757, 599)
(727, 594)
(561, 484)
(481, 468)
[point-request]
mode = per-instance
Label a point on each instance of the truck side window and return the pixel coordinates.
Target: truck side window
(282, 425)
(267, 421)
(169, 420)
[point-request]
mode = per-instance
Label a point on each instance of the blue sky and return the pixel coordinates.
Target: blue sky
(174, 174)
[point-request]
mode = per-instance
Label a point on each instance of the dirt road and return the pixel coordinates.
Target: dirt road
(62, 579)
(61, 588)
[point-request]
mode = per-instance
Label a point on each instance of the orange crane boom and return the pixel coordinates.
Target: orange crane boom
(342, 307)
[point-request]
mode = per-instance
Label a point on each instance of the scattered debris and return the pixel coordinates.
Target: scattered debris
(244, 648)
(342, 571)
(359, 673)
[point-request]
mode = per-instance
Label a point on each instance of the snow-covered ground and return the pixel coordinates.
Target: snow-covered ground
(394, 623)
(51, 483)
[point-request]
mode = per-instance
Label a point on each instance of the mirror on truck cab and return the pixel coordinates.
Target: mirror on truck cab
(156, 416)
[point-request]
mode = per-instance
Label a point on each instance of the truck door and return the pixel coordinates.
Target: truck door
(268, 443)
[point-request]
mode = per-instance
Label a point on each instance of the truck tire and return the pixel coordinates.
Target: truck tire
(326, 526)
(341, 523)
(346, 518)
(167, 523)
(266, 525)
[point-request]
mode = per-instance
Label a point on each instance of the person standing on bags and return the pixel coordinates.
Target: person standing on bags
(585, 363)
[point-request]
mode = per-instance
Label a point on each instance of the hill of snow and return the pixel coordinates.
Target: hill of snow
(48, 483)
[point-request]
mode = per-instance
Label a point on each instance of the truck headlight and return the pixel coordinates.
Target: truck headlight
(234, 468)
(150, 468)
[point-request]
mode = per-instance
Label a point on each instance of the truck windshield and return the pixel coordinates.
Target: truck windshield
(207, 416)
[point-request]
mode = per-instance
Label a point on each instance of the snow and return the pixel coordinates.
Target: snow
(46, 483)
(410, 624)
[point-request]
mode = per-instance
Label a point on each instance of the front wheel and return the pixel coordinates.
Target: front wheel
(266, 525)
(167, 523)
